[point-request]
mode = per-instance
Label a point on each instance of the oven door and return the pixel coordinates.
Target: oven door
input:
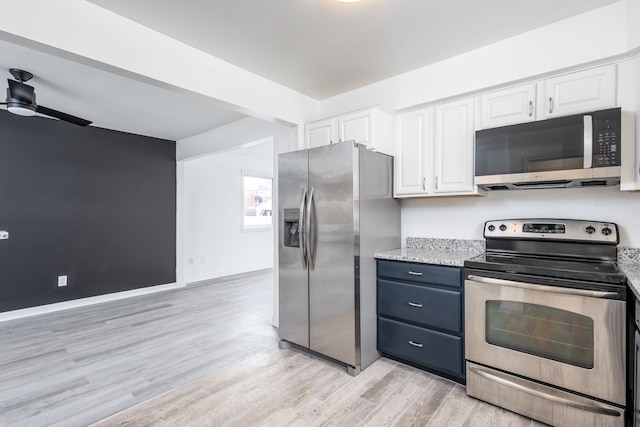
(569, 338)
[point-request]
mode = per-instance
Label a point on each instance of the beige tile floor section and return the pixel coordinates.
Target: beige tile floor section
(206, 355)
(290, 388)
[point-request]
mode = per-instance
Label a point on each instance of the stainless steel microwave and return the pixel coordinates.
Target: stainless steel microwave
(571, 151)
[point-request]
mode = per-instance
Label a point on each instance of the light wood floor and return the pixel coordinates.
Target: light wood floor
(206, 355)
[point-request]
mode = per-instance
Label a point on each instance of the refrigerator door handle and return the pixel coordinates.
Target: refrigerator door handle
(301, 229)
(309, 233)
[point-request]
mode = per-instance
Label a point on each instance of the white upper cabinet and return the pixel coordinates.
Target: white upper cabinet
(573, 93)
(579, 92)
(320, 133)
(454, 147)
(507, 106)
(372, 127)
(413, 177)
(434, 151)
(357, 126)
(629, 101)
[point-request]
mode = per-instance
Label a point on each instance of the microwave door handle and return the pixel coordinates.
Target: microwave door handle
(588, 141)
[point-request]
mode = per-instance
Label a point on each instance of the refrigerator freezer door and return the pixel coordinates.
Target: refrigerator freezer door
(332, 282)
(293, 282)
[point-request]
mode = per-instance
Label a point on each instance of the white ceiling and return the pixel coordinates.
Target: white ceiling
(316, 47)
(112, 101)
(324, 47)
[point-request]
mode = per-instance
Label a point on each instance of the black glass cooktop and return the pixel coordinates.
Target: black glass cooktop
(554, 267)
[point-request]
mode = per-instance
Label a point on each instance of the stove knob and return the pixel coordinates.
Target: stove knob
(504, 227)
(606, 231)
(590, 230)
(491, 227)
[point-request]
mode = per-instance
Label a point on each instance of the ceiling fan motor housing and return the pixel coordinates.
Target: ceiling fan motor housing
(21, 99)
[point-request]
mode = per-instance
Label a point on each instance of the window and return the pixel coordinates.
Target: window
(257, 207)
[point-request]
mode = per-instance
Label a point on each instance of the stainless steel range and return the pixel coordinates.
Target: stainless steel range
(545, 323)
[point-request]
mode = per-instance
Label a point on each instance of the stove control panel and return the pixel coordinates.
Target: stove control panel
(552, 229)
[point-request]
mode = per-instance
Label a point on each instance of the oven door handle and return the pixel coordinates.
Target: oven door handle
(514, 385)
(545, 288)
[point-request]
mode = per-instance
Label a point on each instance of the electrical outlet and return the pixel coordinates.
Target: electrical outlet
(4, 235)
(191, 260)
(62, 281)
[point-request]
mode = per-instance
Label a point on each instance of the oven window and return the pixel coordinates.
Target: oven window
(540, 330)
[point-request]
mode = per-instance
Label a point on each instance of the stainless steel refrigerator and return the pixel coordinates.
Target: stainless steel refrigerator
(336, 209)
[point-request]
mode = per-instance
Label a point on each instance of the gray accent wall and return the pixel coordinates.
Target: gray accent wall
(96, 205)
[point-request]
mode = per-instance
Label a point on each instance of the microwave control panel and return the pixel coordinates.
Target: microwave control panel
(606, 141)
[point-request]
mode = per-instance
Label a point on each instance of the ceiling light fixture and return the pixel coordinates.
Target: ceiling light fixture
(349, 1)
(21, 110)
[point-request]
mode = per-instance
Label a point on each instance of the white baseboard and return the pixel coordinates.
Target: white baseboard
(216, 274)
(82, 302)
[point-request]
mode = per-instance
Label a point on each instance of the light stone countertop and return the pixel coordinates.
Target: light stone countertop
(629, 263)
(452, 252)
(428, 256)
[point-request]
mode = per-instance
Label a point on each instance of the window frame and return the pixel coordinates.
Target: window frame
(254, 227)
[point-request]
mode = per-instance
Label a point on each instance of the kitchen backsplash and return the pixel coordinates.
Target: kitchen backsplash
(457, 245)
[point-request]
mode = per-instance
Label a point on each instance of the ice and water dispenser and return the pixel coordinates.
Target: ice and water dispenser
(292, 228)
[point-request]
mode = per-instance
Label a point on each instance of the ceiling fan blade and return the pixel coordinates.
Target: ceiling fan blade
(62, 116)
(21, 92)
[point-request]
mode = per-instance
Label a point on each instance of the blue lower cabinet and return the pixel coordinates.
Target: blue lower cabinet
(424, 306)
(420, 316)
(423, 346)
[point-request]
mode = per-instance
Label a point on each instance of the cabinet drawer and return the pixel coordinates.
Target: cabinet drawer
(421, 273)
(435, 307)
(422, 346)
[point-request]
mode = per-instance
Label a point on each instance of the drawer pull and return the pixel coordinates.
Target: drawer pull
(416, 344)
(415, 304)
(414, 273)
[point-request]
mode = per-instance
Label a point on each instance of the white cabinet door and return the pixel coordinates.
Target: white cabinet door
(579, 92)
(629, 101)
(508, 106)
(372, 127)
(412, 173)
(357, 126)
(320, 133)
(454, 136)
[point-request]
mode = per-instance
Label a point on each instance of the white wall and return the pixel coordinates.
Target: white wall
(215, 244)
(464, 217)
(241, 132)
(633, 24)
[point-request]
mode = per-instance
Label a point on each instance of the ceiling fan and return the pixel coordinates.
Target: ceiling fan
(21, 100)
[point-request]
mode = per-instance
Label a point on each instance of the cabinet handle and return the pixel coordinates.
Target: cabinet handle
(416, 344)
(413, 304)
(414, 273)
(424, 183)
(550, 105)
(436, 182)
(530, 108)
